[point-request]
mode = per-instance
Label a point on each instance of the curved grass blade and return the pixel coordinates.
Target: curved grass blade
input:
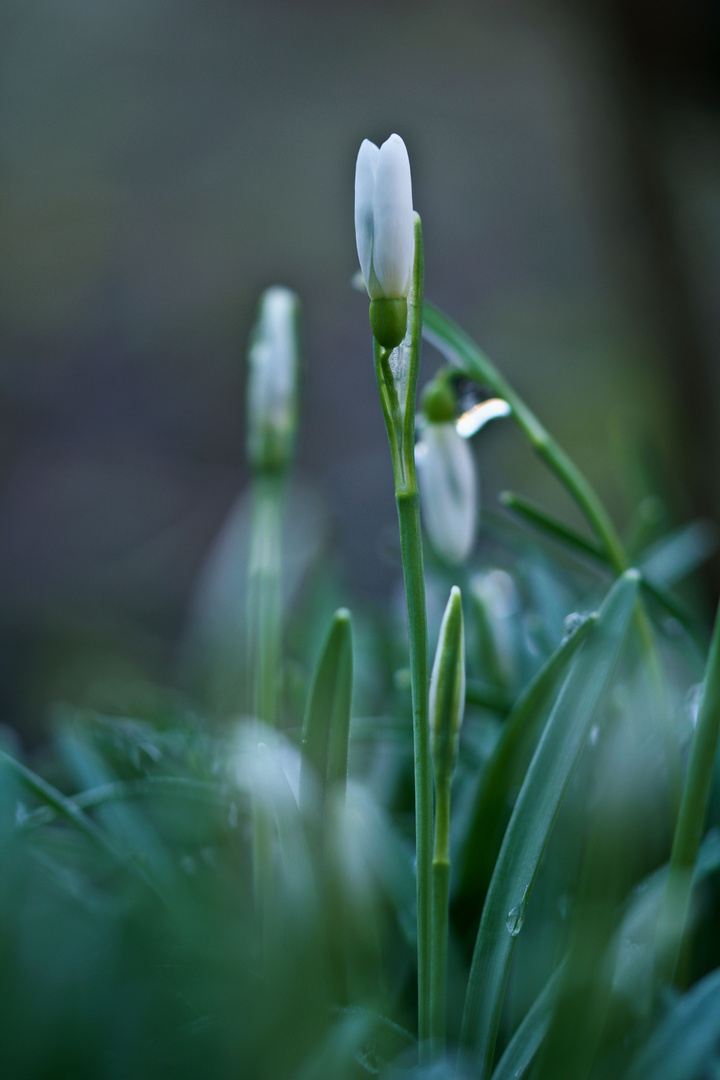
(521, 1050)
(123, 821)
(691, 819)
(534, 815)
(558, 530)
(507, 764)
(676, 555)
(66, 808)
(186, 787)
(461, 351)
(327, 720)
(685, 1043)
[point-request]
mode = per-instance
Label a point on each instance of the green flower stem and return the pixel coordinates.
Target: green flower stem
(440, 911)
(397, 396)
(264, 596)
(408, 505)
(461, 350)
(264, 626)
(691, 819)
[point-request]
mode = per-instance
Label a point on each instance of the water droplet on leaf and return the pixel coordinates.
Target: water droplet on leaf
(572, 623)
(515, 919)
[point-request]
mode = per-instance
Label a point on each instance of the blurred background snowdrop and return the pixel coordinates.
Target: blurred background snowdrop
(273, 375)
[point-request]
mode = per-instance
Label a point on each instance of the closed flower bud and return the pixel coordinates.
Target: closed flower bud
(447, 689)
(385, 234)
(439, 401)
(272, 380)
(448, 491)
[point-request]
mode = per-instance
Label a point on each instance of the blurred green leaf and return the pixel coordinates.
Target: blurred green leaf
(685, 1044)
(534, 815)
(506, 766)
(67, 809)
(678, 554)
(327, 720)
(522, 1048)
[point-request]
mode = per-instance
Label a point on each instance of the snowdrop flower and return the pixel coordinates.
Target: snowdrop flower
(447, 689)
(385, 235)
(448, 490)
(272, 380)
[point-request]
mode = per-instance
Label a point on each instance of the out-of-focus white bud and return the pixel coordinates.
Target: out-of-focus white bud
(385, 234)
(273, 361)
(448, 491)
(447, 689)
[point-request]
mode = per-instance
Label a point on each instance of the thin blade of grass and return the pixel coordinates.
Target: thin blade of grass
(124, 822)
(534, 816)
(116, 791)
(67, 809)
(676, 555)
(525, 1043)
(691, 819)
(558, 530)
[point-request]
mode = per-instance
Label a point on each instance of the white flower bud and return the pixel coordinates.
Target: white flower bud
(384, 219)
(272, 380)
(448, 491)
(385, 234)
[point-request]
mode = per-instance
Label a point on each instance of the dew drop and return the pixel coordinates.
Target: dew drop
(572, 624)
(693, 698)
(515, 919)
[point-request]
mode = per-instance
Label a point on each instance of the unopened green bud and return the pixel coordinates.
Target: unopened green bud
(439, 401)
(447, 689)
(273, 361)
(388, 321)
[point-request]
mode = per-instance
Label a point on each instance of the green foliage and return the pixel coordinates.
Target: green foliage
(200, 891)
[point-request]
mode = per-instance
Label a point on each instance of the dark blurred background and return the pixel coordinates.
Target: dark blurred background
(162, 161)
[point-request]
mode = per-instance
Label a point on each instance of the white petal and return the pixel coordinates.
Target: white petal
(478, 415)
(364, 190)
(394, 241)
(448, 491)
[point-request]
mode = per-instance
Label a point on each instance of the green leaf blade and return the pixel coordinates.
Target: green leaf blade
(534, 816)
(525, 1043)
(327, 720)
(684, 1044)
(509, 756)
